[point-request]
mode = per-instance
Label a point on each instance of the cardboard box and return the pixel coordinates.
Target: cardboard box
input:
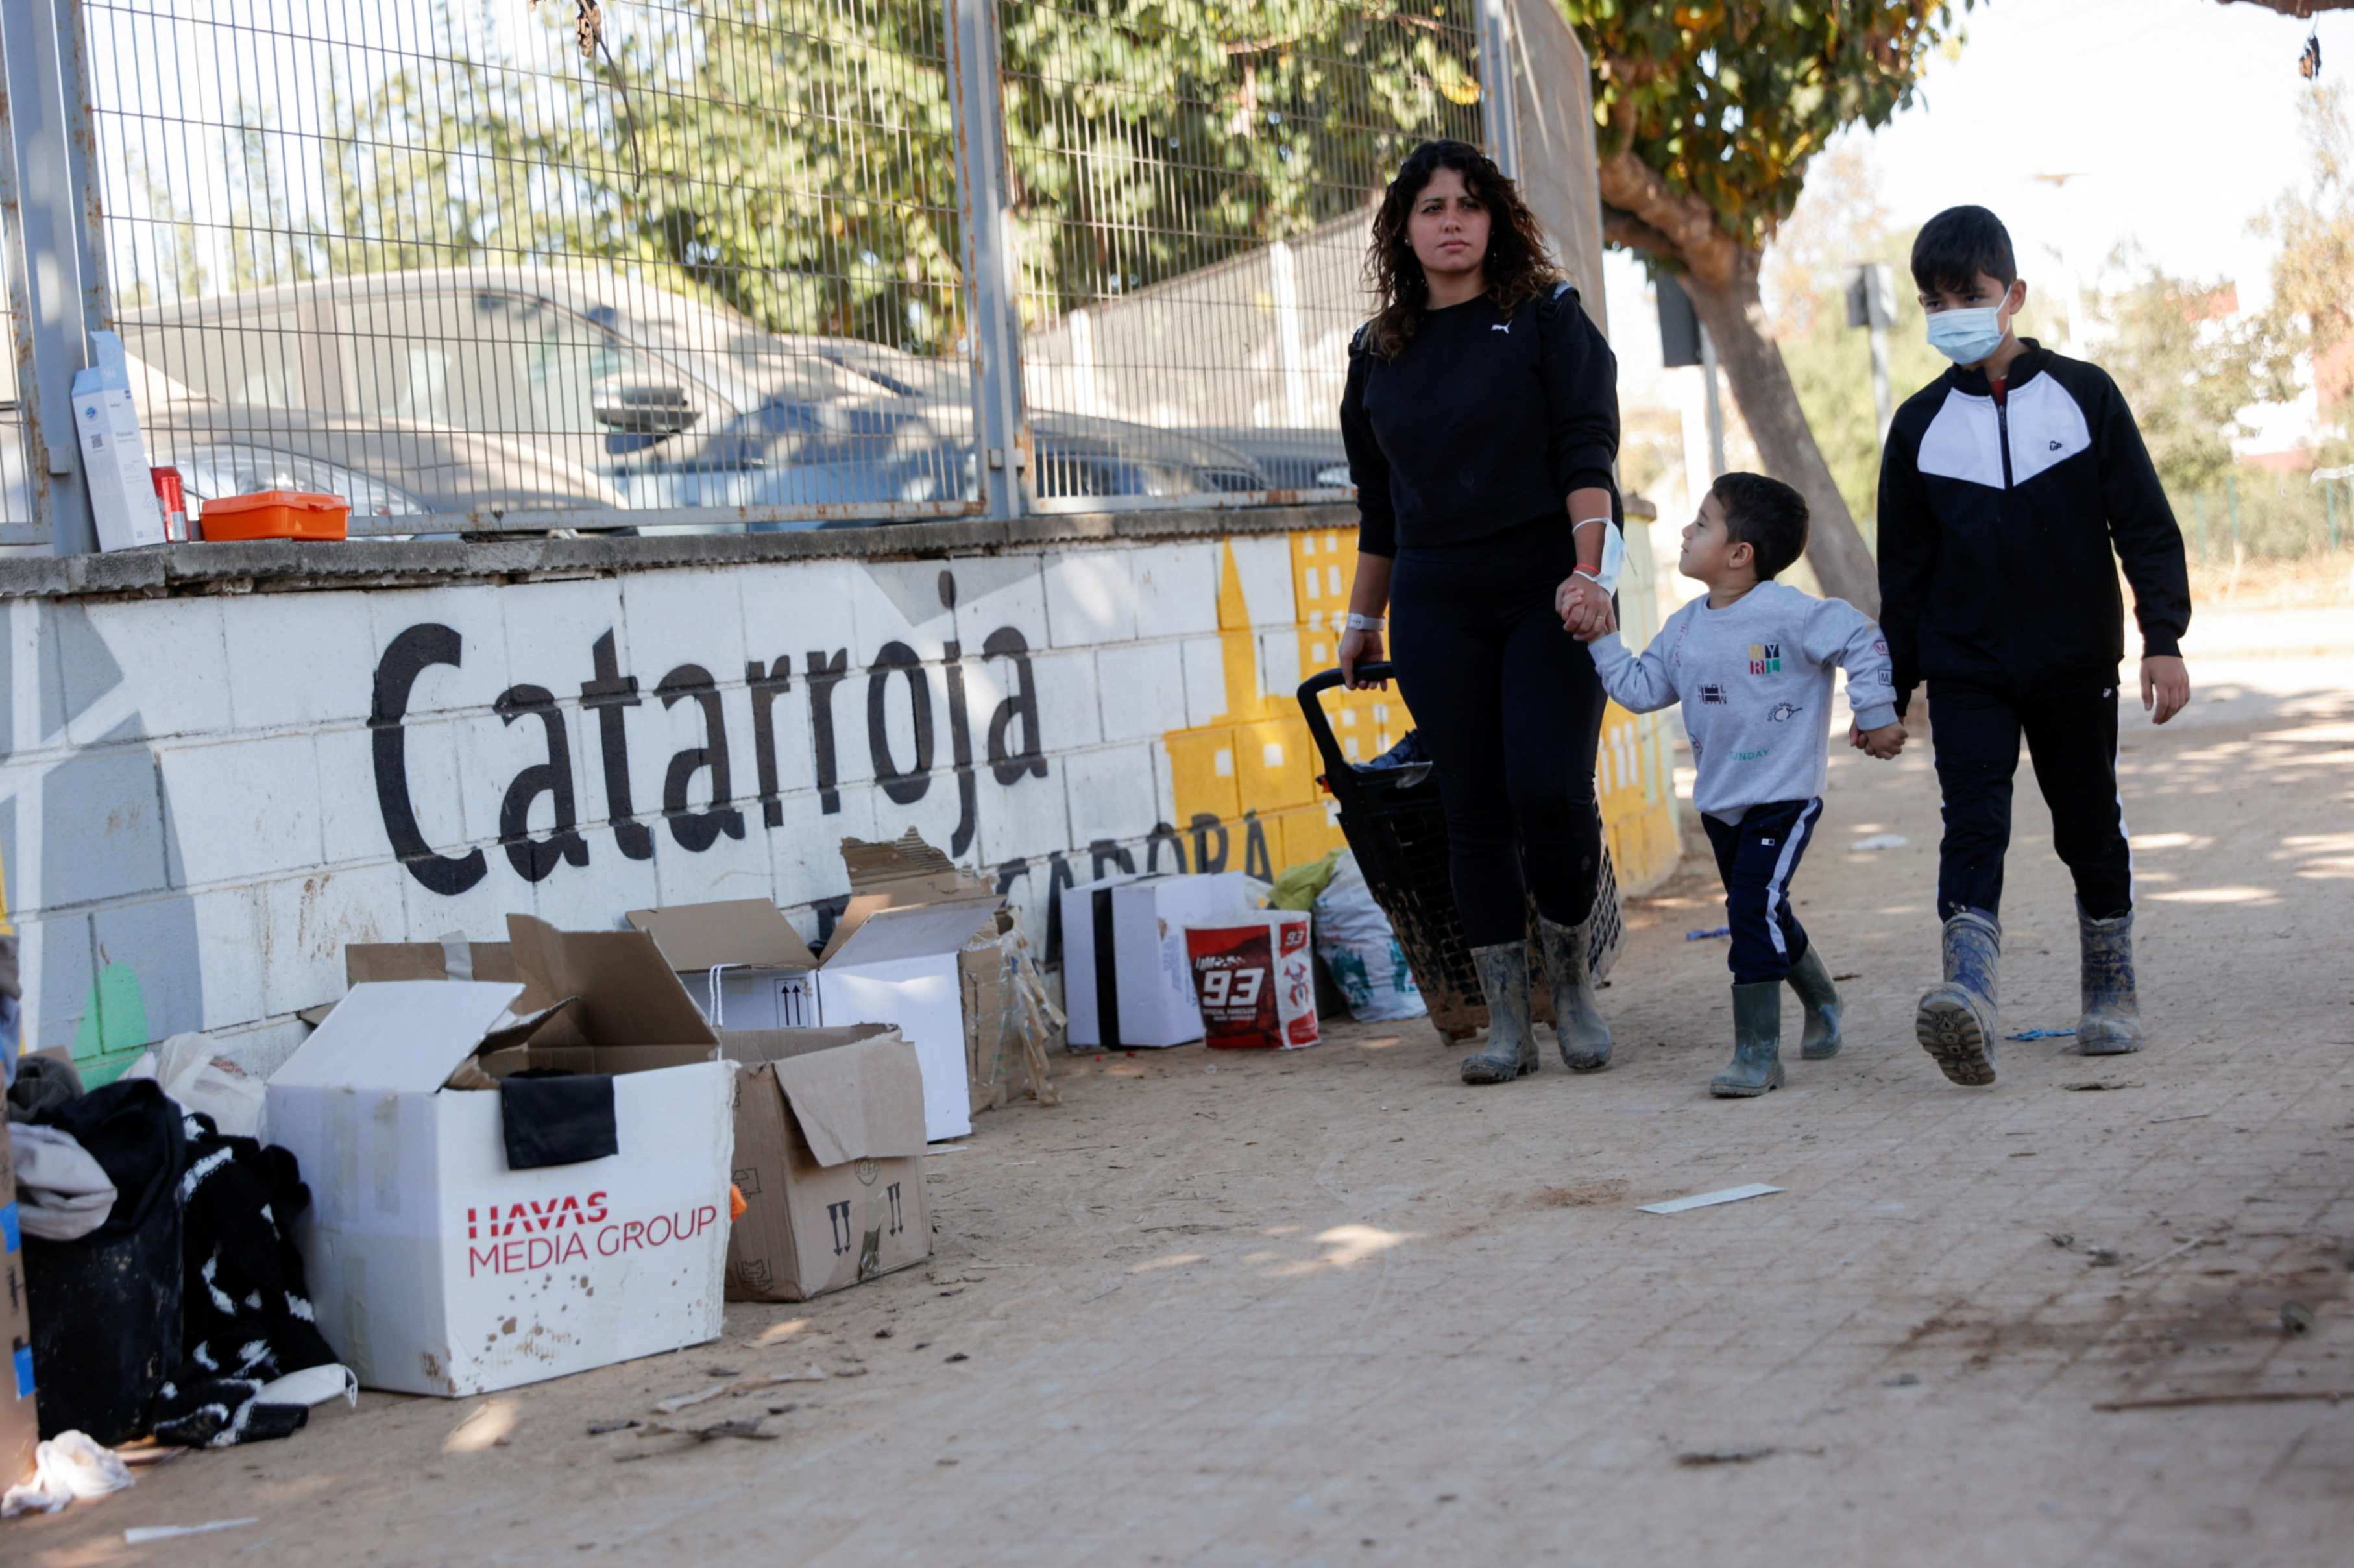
(907, 967)
(438, 1269)
(450, 959)
(920, 945)
(113, 455)
(1126, 980)
(829, 1157)
(740, 960)
(20, 1429)
(453, 957)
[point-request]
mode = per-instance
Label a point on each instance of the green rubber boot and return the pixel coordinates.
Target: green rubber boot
(1757, 1044)
(1959, 1023)
(1811, 980)
(1511, 1046)
(2111, 1025)
(1577, 1026)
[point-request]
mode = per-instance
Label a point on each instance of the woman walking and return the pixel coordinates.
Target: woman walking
(1481, 418)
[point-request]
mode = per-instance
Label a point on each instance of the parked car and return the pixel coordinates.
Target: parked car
(386, 469)
(671, 402)
(1311, 458)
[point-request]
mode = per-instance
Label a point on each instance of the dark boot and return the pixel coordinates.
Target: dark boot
(1757, 1044)
(1577, 1026)
(1958, 1024)
(1812, 980)
(2111, 1022)
(1511, 1046)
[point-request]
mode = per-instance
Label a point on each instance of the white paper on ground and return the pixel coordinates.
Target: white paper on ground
(1705, 1200)
(147, 1532)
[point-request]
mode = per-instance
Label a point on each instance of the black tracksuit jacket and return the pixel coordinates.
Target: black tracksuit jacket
(1996, 522)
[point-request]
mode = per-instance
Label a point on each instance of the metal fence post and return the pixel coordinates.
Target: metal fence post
(1500, 121)
(1001, 438)
(60, 289)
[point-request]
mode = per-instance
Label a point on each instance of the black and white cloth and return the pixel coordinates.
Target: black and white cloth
(246, 1321)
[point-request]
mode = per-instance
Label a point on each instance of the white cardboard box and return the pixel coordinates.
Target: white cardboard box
(900, 965)
(740, 960)
(906, 965)
(1135, 989)
(113, 455)
(436, 1269)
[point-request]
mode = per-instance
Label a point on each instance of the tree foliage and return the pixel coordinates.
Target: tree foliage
(2313, 272)
(2189, 364)
(1708, 113)
(1725, 102)
(795, 159)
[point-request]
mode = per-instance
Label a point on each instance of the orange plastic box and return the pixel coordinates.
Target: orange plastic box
(276, 515)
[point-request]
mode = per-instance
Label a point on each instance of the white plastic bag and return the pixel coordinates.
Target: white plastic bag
(1354, 939)
(194, 1075)
(70, 1464)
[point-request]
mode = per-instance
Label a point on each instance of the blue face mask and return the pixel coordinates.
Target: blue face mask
(1966, 337)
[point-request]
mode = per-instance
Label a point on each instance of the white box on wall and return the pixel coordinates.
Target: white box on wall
(114, 454)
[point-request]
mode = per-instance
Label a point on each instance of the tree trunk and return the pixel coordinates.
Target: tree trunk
(1769, 407)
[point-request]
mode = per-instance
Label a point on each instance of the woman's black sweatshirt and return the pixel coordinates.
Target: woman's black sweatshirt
(1481, 422)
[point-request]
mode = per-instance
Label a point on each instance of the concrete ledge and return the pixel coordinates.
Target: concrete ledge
(279, 565)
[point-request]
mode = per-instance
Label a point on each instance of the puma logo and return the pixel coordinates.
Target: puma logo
(1504, 327)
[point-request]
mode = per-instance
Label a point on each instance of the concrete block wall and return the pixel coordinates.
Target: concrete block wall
(203, 799)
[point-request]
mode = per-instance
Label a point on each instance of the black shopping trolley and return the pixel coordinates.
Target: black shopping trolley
(1393, 823)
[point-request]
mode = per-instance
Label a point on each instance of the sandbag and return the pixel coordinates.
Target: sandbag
(1361, 952)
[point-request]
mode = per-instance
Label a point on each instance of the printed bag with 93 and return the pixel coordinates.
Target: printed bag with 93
(1255, 980)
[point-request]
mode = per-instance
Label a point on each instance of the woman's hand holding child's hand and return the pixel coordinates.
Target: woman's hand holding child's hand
(1884, 743)
(1584, 609)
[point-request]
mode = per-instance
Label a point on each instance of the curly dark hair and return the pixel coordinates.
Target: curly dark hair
(1518, 263)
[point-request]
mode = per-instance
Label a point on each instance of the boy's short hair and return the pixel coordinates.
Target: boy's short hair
(1767, 516)
(1957, 246)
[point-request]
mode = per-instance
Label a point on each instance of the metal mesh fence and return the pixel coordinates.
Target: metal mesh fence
(16, 431)
(503, 258)
(521, 264)
(1192, 186)
(2268, 515)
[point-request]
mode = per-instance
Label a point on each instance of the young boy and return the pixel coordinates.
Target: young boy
(1752, 664)
(2003, 487)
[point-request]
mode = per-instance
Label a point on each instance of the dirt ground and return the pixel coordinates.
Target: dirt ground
(1330, 1307)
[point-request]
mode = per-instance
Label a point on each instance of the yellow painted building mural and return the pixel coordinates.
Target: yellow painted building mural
(1255, 764)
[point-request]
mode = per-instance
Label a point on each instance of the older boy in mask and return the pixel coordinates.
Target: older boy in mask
(2005, 487)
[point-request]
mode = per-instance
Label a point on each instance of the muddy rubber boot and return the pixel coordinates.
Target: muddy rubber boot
(1812, 980)
(1577, 1026)
(1959, 1023)
(2111, 1022)
(1511, 1046)
(1757, 1044)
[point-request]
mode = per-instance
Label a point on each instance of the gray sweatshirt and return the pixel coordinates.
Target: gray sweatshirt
(1755, 681)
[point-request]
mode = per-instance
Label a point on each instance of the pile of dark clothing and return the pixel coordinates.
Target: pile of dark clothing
(167, 1292)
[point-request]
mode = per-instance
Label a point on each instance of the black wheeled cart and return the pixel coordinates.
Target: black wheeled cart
(1391, 817)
